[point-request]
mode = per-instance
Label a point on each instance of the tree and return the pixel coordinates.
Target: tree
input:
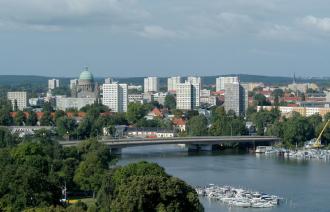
(89, 174)
(135, 112)
(170, 102)
(65, 126)
(197, 126)
(5, 118)
(32, 119)
(46, 119)
(261, 100)
(145, 186)
(20, 118)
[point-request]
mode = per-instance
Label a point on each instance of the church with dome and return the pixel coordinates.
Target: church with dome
(86, 87)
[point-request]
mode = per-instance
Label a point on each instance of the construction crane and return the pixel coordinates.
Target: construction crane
(317, 143)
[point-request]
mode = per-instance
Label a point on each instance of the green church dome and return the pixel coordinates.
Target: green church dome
(86, 75)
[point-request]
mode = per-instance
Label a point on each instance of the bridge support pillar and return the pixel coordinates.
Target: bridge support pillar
(199, 147)
(115, 151)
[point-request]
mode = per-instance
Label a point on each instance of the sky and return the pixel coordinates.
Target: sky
(124, 38)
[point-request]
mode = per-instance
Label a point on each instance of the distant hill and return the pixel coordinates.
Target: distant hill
(18, 80)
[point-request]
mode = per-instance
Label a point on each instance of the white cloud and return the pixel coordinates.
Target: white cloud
(281, 32)
(43, 14)
(158, 32)
(322, 24)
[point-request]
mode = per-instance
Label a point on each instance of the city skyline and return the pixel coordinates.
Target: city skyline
(139, 38)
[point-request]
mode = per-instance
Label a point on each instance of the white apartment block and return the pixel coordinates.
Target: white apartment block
(151, 84)
(115, 96)
(172, 83)
(304, 111)
(221, 81)
(53, 83)
(195, 80)
(18, 98)
(187, 96)
(73, 83)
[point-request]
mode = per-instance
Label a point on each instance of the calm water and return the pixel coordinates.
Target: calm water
(304, 184)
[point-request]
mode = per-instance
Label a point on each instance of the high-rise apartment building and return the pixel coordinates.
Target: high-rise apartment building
(172, 83)
(195, 80)
(236, 98)
(221, 81)
(53, 83)
(187, 96)
(73, 83)
(18, 99)
(115, 96)
(151, 84)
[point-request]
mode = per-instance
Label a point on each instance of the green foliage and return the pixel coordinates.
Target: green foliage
(170, 102)
(6, 138)
(46, 119)
(197, 126)
(297, 130)
(65, 126)
(135, 112)
(145, 186)
(261, 100)
(226, 123)
(32, 119)
(20, 118)
(5, 118)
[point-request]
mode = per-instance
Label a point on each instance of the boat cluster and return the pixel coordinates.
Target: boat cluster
(238, 197)
(319, 154)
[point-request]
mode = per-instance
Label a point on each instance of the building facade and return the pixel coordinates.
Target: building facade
(187, 96)
(172, 83)
(18, 99)
(65, 103)
(115, 96)
(236, 98)
(151, 84)
(53, 83)
(221, 81)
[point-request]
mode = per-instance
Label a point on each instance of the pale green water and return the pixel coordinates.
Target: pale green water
(305, 185)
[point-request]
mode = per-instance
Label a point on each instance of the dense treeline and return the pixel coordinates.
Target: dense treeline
(36, 171)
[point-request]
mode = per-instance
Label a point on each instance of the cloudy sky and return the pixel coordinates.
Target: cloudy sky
(168, 37)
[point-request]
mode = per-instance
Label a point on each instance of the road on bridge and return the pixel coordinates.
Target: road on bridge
(200, 140)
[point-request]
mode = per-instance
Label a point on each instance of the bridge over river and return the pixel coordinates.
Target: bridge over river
(193, 143)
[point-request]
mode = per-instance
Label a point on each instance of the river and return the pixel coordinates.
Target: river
(305, 185)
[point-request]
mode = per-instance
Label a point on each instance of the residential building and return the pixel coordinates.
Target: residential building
(195, 80)
(160, 97)
(236, 98)
(304, 111)
(18, 99)
(172, 83)
(73, 83)
(53, 83)
(151, 84)
(221, 81)
(115, 96)
(135, 98)
(188, 96)
(64, 103)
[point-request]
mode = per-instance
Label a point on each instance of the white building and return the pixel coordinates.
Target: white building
(53, 83)
(73, 83)
(194, 80)
(221, 81)
(151, 84)
(63, 103)
(172, 83)
(160, 97)
(138, 98)
(236, 98)
(115, 96)
(187, 96)
(18, 99)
